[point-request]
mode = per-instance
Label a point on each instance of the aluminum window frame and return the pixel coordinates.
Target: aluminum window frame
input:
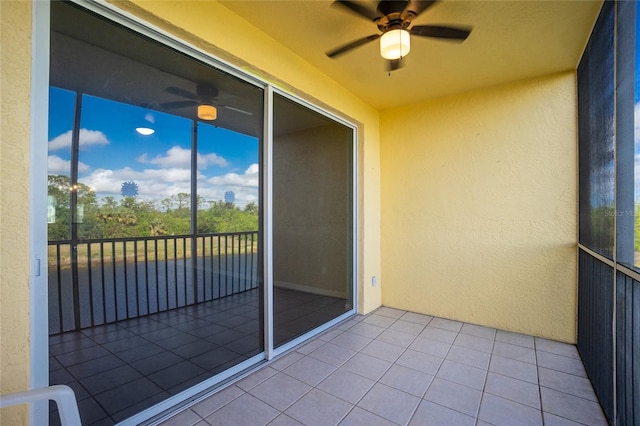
(354, 207)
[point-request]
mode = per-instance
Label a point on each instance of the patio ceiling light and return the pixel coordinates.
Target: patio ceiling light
(207, 112)
(395, 44)
(145, 131)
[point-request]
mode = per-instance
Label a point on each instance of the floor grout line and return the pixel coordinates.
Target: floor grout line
(400, 341)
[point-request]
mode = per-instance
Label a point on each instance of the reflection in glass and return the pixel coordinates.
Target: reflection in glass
(155, 218)
(312, 220)
(132, 184)
(636, 120)
(59, 164)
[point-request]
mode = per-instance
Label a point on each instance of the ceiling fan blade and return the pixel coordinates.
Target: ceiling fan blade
(394, 64)
(436, 31)
(358, 9)
(416, 7)
(178, 104)
(347, 47)
(241, 111)
(180, 92)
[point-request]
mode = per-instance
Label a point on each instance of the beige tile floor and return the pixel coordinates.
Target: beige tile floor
(393, 367)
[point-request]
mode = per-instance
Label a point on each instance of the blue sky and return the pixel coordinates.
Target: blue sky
(112, 152)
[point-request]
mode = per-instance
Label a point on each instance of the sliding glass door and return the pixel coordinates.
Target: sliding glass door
(157, 246)
(312, 219)
(154, 218)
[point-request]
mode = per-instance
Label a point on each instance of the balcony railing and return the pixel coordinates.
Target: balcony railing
(96, 282)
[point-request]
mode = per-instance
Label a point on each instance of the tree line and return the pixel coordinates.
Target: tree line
(130, 217)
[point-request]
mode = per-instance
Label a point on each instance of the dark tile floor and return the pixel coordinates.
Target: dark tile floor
(120, 369)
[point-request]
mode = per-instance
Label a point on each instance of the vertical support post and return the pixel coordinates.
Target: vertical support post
(75, 147)
(194, 210)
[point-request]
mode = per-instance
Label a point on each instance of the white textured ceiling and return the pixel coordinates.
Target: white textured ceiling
(511, 40)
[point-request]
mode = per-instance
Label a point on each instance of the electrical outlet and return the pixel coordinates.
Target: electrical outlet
(374, 281)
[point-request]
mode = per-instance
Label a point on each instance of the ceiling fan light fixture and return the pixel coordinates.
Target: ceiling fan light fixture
(207, 112)
(395, 44)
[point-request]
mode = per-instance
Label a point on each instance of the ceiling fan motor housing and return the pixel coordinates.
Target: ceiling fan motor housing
(387, 7)
(395, 15)
(206, 92)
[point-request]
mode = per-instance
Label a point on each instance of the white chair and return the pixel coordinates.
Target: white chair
(61, 394)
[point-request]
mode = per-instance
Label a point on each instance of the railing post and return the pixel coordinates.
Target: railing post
(59, 277)
(194, 267)
(75, 285)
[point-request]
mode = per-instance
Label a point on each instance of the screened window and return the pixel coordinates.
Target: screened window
(596, 128)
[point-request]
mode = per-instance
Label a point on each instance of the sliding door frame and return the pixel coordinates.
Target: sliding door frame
(38, 277)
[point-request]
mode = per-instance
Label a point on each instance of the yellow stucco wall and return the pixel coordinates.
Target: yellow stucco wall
(311, 213)
(479, 207)
(478, 216)
(260, 55)
(15, 65)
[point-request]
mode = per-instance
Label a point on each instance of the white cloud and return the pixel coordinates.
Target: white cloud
(181, 157)
(58, 166)
(152, 184)
(87, 137)
(158, 184)
(249, 178)
(244, 186)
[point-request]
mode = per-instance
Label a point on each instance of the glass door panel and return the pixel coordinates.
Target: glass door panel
(154, 218)
(312, 219)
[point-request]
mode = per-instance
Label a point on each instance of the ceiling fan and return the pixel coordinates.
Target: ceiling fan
(393, 18)
(205, 98)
